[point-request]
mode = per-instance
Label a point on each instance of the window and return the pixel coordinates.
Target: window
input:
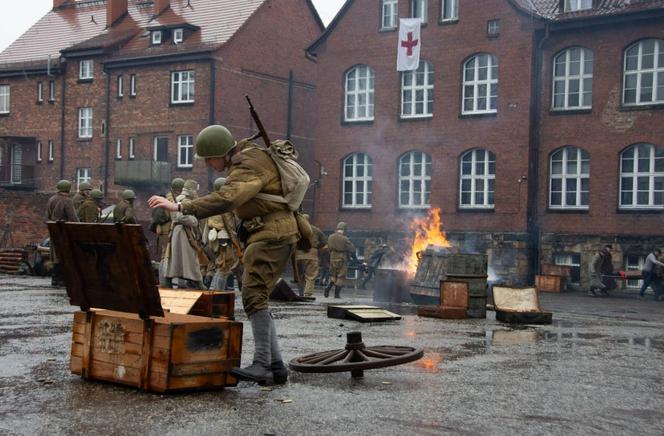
(178, 36)
(118, 149)
(85, 122)
(50, 150)
(644, 73)
(415, 180)
(360, 94)
(358, 181)
(417, 92)
(418, 9)
(132, 148)
(572, 260)
(182, 87)
(16, 164)
(478, 177)
(120, 86)
(51, 91)
(82, 175)
(132, 85)
(156, 37)
(578, 5)
(40, 92)
(493, 28)
(390, 14)
(39, 151)
(570, 179)
(642, 177)
(480, 84)
(161, 148)
(353, 273)
(634, 263)
(86, 69)
(4, 99)
(573, 79)
(449, 10)
(185, 151)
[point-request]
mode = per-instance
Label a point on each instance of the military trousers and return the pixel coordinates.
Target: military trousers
(264, 262)
(338, 271)
(308, 271)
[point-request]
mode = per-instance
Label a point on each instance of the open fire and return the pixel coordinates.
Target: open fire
(428, 232)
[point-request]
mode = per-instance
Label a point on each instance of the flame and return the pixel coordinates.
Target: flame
(428, 231)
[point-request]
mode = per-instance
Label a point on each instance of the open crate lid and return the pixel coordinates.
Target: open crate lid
(508, 299)
(106, 266)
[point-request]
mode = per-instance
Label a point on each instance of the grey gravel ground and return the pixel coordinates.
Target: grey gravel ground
(597, 370)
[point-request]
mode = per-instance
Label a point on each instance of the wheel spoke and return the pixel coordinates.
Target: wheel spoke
(338, 356)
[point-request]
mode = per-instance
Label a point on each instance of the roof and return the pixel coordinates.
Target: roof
(550, 9)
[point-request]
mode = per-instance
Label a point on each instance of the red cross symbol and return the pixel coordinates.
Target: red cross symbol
(410, 44)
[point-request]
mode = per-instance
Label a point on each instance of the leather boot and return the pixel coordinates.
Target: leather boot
(259, 371)
(327, 289)
(279, 370)
(337, 291)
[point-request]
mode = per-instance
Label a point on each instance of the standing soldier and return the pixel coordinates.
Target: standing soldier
(89, 212)
(270, 235)
(84, 189)
(60, 208)
(124, 210)
(161, 219)
(307, 261)
(340, 250)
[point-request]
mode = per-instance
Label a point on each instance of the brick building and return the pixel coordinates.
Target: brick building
(536, 126)
(114, 92)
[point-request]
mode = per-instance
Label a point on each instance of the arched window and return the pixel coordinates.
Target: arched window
(573, 79)
(478, 177)
(415, 180)
(358, 180)
(359, 104)
(480, 84)
(417, 92)
(569, 182)
(644, 73)
(642, 177)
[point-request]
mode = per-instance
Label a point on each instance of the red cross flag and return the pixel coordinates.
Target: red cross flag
(408, 50)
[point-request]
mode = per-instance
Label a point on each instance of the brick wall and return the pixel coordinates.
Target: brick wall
(25, 215)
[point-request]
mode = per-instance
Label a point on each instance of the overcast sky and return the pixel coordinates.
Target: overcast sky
(18, 16)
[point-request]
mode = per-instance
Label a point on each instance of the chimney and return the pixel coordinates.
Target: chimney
(115, 9)
(58, 3)
(161, 5)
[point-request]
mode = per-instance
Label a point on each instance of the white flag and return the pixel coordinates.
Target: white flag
(408, 49)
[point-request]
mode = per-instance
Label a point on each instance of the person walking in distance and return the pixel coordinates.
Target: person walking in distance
(649, 276)
(307, 260)
(340, 250)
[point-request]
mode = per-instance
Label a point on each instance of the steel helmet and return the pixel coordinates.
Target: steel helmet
(63, 186)
(128, 194)
(219, 182)
(214, 141)
(96, 194)
(177, 184)
(341, 226)
(84, 186)
(191, 185)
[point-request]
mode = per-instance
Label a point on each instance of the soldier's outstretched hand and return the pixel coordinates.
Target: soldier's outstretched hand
(156, 201)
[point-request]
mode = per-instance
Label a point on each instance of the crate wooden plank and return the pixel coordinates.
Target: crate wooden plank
(454, 294)
(441, 312)
(548, 283)
(361, 313)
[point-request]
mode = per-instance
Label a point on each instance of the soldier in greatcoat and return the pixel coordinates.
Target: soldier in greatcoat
(341, 249)
(270, 231)
(84, 189)
(90, 209)
(60, 208)
(124, 209)
(307, 261)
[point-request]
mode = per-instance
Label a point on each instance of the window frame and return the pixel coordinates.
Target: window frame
(427, 89)
(40, 92)
(80, 178)
(5, 97)
(656, 71)
(576, 5)
(132, 85)
(566, 78)
(393, 5)
(652, 175)
(358, 159)
(131, 154)
(424, 4)
(118, 149)
(369, 93)
(156, 37)
(572, 260)
(487, 179)
(39, 151)
(191, 81)
(188, 150)
(493, 33)
(565, 177)
(120, 84)
(476, 83)
(51, 152)
(630, 265)
(51, 91)
(178, 39)
(454, 9)
(422, 178)
(86, 68)
(85, 131)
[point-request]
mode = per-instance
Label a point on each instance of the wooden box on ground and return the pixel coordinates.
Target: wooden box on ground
(519, 306)
(545, 283)
(441, 312)
(549, 269)
(214, 304)
(361, 313)
(122, 333)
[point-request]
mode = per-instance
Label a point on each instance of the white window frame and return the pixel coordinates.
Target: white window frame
(357, 170)
(132, 85)
(358, 101)
(179, 81)
(568, 259)
(640, 73)
(118, 149)
(82, 175)
(85, 122)
(178, 36)
(185, 151)
(577, 5)
(630, 265)
(40, 92)
(390, 14)
(39, 151)
(132, 148)
(415, 179)
(51, 90)
(476, 83)
(50, 151)
(423, 6)
(566, 177)
(86, 69)
(583, 77)
(120, 83)
(156, 37)
(482, 178)
(449, 10)
(633, 177)
(5, 99)
(425, 87)
(493, 27)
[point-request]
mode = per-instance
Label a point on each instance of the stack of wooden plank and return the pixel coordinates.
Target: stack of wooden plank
(553, 278)
(10, 260)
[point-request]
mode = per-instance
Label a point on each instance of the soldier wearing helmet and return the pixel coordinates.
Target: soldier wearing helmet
(307, 260)
(124, 209)
(270, 233)
(89, 211)
(60, 208)
(340, 250)
(84, 189)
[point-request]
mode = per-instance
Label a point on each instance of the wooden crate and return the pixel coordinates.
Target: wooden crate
(164, 354)
(441, 312)
(548, 283)
(519, 306)
(549, 269)
(454, 294)
(213, 304)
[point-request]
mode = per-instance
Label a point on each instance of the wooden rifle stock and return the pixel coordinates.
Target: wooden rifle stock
(261, 130)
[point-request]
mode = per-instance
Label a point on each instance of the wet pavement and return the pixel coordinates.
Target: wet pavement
(599, 369)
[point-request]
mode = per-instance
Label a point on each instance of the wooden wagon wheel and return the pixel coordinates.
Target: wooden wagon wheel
(356, 357)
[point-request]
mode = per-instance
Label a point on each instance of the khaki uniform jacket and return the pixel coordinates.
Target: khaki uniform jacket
(88, 212)
(317, 239)
(78, 200)
(124, 213)
(340, 246)
(251, 171)
(61, 208)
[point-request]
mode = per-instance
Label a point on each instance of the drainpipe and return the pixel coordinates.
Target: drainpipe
(211, 117)
(62, 119)
(108, 128)
(289, 121)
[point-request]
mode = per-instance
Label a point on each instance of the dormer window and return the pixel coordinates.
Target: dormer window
(578, 5)
(178, 36)
(86, 69)
(156, 37)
